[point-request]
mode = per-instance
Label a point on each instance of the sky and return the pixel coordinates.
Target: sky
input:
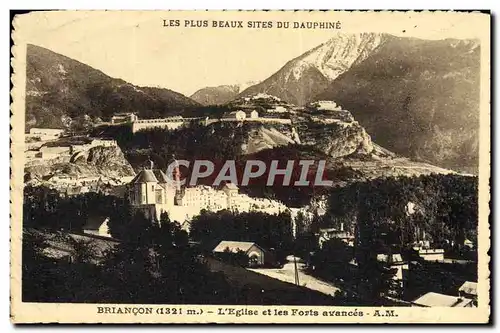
(136, 47)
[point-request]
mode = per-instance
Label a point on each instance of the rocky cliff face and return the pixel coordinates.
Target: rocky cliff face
(267, 136)
(418, 98)
(107, 162)
(337, 134)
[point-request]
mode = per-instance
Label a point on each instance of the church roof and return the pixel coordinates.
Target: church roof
(145, 176)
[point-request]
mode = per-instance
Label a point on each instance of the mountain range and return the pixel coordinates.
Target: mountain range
(418, 98)
(61, 90)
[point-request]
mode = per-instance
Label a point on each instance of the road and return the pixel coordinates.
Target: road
(257, 288)
(287, 274)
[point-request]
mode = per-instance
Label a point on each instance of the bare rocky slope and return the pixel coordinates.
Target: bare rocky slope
(108, 162)
(417, 98)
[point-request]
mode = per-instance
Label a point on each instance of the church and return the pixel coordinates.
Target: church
(151, 192)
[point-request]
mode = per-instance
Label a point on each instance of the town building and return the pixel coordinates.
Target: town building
(252, 114)
(151, 192)
(469, 244)
(433, 299)
(241, 115)
(123, 118)
(205, 197)
(263, 96)
(326, 234)
(395, 260)
(92, 143)
(235, 115)
(277, 109)
(48, 153)
(46, 133)
(256, 254)
(431, 254)
(169, 123)
(99, 142)
(468, 290)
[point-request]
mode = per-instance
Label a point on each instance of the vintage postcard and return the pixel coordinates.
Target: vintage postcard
(250, 167)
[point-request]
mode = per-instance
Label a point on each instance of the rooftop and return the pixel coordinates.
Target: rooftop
(234, 246)
(469, 288)
(390, 258)
(95, 222)
(435, 299)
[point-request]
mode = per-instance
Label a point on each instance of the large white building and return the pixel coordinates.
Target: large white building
(169, 123)
(123, 118)
(151, 192)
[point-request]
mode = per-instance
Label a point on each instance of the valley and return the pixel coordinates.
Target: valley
(109, 160)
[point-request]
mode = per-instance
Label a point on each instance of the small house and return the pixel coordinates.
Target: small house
(48, 152)
(396, 261)
(433, 299)
(256, 254)
(252, 114)
(46, 133)
(468, 290)
(123, 118)
(235, 115)
(326, 234)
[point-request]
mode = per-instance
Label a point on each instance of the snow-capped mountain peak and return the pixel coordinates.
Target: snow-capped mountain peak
(337, 55)
(310, 73)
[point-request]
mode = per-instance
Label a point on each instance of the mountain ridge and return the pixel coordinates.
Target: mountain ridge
(302, 77)
(217, 95)
(61, 90)
(398, 88)
(424, 91)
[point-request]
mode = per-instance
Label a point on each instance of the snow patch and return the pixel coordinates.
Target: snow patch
(337, 55)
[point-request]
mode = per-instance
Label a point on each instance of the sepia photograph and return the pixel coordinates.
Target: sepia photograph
(250, 166)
